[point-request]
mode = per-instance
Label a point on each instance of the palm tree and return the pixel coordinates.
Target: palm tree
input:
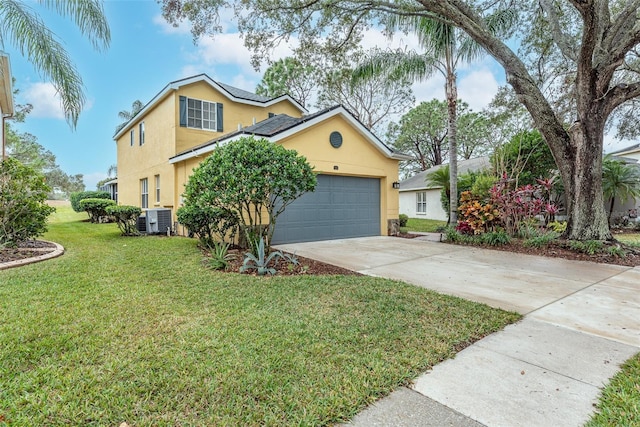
(126, 116)
(441, 178)
(619, 180)
(444, 47)
(21, 26)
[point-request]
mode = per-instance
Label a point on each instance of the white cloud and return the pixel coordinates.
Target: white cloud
(166, 28)
(45, 100)
(478, 88)
(90, 180)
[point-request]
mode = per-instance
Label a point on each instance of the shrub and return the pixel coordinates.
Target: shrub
(253, 178)
(126, 217)
(23, 208)
(478, 216)
(96, 208)
(494, 238)
(260, 261)
(558, 226)
(403, 220)
(220, 256)
(209, 224)
(589, 247)
(79, 196)
(541, 240)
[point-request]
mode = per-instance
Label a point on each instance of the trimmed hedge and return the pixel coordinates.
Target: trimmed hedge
(79, 196)
(126, 217)
(96, 208)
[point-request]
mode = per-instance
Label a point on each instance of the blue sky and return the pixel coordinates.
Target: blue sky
(146, 54)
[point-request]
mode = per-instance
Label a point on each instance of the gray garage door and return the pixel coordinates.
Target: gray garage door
(340, 207)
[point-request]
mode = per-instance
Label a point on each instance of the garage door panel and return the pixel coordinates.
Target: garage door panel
(341, 207)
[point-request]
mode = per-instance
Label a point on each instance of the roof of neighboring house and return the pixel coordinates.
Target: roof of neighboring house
(631, 149)
(281, 126)
(233, 93)
(419, 180)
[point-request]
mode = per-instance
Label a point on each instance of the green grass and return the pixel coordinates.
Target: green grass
(423, 225)
(630, 239)
(137, 330)
(620, 401)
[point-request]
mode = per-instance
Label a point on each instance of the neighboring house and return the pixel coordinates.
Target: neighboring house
(6, 95)
(630, 208)
(111, 187)
(189, 118)
(419, 200)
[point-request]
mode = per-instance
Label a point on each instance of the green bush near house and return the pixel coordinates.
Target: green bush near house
(23, 208)
(126, 217)
(402, 219)
(79, 196)
(96, 208)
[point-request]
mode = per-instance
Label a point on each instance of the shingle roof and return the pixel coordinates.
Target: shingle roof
(243, 94)
(418, 181)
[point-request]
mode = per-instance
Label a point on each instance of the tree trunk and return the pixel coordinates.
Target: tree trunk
(583, 182)
(451, 92)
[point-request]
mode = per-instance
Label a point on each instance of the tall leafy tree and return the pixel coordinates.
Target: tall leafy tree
(22, 27)
(289, 76)
(590, 45)
(619, 181)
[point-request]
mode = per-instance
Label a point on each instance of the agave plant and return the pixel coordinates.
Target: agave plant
(261, 262)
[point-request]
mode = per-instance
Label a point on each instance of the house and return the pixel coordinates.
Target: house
(6, 95)
(420, 200)
(630, 208)
(189, 118)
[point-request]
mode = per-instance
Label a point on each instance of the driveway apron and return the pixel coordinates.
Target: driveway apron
(581, 321)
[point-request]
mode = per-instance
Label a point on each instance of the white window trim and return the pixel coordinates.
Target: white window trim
(144, 193)
(157, 183)
(213, 107)
(142, 134)
(421, 202)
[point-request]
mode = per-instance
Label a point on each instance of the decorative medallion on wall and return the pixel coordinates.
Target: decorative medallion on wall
(335, 139)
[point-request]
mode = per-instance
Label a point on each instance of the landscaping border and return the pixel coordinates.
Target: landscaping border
(59, 250)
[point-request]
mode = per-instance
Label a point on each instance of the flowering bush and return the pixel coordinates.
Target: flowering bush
(479, 217)
(517, 207)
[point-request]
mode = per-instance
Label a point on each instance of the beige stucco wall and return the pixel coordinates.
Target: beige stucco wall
(137, 162)
(164, 138)
(356, 157)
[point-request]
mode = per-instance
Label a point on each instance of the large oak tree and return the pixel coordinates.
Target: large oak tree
(595, 40)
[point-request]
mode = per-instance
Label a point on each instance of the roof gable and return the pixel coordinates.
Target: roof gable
(282, 126)
(230, 92)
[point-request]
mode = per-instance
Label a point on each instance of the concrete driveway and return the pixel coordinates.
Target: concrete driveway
(582, 320)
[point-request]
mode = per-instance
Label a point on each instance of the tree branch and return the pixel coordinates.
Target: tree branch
(561, 39)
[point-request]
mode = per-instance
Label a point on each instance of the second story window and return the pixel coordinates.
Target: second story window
(199, 114)
(141, 131)
(132, 134)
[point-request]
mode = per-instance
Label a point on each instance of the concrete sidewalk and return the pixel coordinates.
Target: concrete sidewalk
(582, 320)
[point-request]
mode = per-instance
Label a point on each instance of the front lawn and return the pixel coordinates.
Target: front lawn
(629, 239)
(620, 401)
(136, 330)
(424, 225)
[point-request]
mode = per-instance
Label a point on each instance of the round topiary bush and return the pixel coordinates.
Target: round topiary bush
(126, 217)
(96, 208)
(79, 196)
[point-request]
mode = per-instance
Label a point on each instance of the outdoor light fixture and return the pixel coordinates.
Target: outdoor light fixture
(396, 185)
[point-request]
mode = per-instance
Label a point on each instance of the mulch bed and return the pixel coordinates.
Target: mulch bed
(28, 249)
(285, 268)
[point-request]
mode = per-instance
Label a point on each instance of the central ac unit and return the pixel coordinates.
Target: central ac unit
(158, 220)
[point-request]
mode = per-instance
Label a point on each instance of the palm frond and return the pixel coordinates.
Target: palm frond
(88, 16)
(398, 64)
(33, 39)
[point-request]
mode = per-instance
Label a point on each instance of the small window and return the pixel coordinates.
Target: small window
(157, 178)
(132, 134)
(144, 193)
(141, 133)
(421, 202)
